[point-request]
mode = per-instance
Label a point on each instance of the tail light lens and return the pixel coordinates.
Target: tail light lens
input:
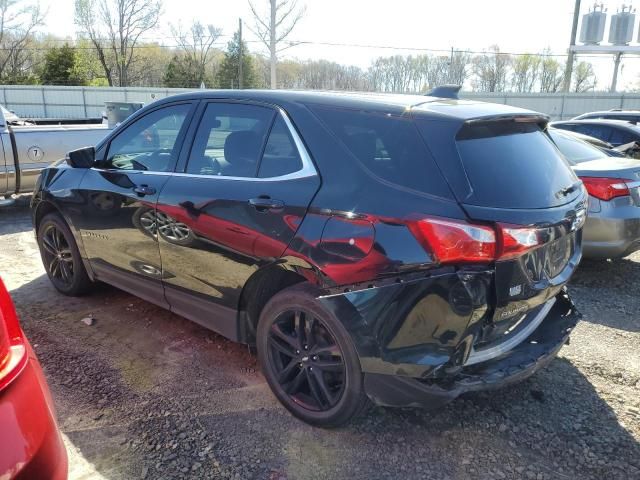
(13, 347)
(606, 188)
(456, 241)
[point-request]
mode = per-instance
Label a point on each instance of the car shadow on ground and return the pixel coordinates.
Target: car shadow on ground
(598, 288)
(144, 393)
(15, 218)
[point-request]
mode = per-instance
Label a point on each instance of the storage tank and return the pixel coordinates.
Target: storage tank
(592, 29)
(622, 24)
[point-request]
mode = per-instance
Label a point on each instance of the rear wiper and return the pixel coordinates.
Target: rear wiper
(570, 189)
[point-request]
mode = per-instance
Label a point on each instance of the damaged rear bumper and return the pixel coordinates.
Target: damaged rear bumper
(415, 341)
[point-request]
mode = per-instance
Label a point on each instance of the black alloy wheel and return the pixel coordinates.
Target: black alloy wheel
(309, 359)
(60, 256)
(57, 256)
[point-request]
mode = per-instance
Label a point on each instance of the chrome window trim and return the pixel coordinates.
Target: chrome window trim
(307, 170)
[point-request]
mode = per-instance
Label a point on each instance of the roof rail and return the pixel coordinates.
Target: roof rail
(445, 91)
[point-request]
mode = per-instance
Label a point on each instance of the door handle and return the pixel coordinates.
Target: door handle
(264, 203)
(142, 190)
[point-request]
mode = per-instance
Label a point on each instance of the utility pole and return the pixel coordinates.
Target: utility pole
(240, 55)
(574, 30)
(273, 59)
(614, 81)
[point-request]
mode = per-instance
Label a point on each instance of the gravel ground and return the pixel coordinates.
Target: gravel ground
(142, 393)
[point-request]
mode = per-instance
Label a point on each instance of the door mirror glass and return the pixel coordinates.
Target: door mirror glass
(82, 157)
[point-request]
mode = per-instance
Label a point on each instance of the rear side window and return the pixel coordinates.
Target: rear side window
(597, 131)
(389, 146)
(513, 165)
(575, 150)
(620, 137)
(281, 156)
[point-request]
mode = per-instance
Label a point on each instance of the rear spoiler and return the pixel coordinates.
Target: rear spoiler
(539, 118)
(445, 91)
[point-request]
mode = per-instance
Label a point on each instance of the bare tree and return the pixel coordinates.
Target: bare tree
(115, 27)
(197, 43)
(18, 20)
(459, 67)
(584, 78)
(283, 16)
(491, 70)
(525, 72)
(551, 73)
(438, 71)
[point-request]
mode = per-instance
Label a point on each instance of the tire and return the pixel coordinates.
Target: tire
(61, 257)
(333, 393)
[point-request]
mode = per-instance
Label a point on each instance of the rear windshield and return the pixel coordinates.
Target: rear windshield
(513, 165)
(389, 146)
(575, 150)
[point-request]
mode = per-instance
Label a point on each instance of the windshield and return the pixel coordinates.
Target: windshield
(575, 150)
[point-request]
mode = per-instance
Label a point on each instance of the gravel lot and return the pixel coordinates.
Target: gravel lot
(142, 393)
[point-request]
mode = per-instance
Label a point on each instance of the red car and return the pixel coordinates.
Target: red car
(30, 442)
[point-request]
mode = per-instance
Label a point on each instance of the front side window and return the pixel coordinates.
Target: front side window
(230, 140)
(149, 144)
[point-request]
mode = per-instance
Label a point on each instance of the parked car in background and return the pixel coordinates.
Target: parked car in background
(615, 132)
(604, 147)
(26, 148)
(613, 224)
(321, 228)
(632, 116)
(30, 443)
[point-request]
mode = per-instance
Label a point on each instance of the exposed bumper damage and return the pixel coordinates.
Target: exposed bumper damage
(416, 339)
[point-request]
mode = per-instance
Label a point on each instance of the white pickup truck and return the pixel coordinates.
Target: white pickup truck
(26, 148)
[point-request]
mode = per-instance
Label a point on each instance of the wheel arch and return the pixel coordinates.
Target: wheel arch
(44, 208)
(258, 290)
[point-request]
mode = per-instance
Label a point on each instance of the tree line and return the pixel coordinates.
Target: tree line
(110, 50)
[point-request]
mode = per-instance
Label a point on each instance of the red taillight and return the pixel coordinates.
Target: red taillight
(606, 188)
(514, 240)
(13, 348)
(456, 241)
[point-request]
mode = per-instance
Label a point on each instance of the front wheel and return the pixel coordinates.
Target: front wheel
(309, 360)
(60, 256)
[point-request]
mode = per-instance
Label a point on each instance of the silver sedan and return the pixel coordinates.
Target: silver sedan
(613, 222)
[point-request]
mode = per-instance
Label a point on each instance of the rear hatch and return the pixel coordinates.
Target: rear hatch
(505, 171)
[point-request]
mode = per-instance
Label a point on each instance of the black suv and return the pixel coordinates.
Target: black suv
(393, 249)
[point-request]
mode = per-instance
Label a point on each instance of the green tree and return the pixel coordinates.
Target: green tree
(227, 76)
(60, 67)
(185, 71)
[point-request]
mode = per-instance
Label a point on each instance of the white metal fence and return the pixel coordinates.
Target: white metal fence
(73, 102)
(82, 102)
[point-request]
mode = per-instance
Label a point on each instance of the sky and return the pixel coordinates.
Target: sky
(331, 25)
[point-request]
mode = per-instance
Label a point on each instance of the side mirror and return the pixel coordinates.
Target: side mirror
(82, 158)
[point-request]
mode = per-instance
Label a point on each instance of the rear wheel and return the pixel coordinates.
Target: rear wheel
(309, 359)
(60, 256)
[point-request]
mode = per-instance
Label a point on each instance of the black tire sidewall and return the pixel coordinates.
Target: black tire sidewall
(81, 282)
(303, 297)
